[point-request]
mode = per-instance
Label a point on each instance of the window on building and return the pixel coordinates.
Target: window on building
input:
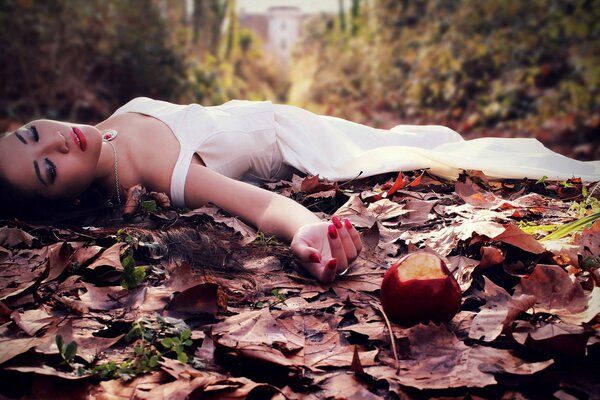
(283, 45)
(283, 25)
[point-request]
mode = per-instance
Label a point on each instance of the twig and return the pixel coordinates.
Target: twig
(389, 326)
(351, 180)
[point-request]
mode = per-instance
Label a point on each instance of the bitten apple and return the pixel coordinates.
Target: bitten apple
(419, 288)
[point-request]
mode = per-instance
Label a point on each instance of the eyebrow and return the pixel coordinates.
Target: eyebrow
(37, 172)
(21, 138)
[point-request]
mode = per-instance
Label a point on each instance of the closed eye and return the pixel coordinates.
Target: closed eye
(34, 133)
(51, 169)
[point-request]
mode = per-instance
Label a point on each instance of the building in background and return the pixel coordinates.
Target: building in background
(279, 28)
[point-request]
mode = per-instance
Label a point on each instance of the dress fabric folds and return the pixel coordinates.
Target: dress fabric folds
(262, 141)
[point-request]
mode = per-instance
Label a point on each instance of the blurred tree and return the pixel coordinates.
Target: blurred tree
(342, 16)
(516, 67)
(79, 60)
(207, 22)
(355, 17)
(232, 39)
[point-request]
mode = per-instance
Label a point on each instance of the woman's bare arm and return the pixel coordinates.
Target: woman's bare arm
(322, 247)
(269, 212)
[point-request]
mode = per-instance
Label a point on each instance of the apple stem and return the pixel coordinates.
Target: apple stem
(392, 339)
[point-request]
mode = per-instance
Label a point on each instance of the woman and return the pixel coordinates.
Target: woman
(198, 155)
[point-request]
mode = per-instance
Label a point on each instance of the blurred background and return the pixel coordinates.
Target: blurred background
(483, 67)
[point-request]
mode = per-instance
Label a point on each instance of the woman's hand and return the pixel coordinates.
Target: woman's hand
(326, 248)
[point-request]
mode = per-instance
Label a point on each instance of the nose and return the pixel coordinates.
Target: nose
(58, 142)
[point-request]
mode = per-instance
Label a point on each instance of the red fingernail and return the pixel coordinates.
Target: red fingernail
(348, 223)
(332, 264)
(314, 257)
(332, 231)
(336, 222)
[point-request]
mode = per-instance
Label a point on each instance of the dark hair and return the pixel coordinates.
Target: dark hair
(16, 204)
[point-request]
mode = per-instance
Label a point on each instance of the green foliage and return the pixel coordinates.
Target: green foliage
(132, 275)
(148, 206)
(480, 63)
(575, 226)
(266, 240)
(153, 340)
(82, 59)
(66, 351)
(279, 298)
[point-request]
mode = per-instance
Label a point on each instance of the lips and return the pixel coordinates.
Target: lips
(79, 138)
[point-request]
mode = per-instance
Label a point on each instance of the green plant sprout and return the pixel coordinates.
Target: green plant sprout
(154, 341)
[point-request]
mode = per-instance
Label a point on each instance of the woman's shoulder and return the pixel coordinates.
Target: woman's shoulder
(145, 105)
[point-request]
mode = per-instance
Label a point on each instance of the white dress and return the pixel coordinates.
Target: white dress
(259, 140)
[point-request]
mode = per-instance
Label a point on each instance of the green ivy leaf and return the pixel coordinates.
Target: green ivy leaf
(70, 351)
(182, 357)
(60, 344)
(148, 206)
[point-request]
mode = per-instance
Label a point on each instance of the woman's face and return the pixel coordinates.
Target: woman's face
(51, 159)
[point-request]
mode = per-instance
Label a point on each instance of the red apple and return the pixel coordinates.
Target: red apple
(419, 288)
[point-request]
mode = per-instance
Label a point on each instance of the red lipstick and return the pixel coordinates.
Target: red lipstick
(79, 138)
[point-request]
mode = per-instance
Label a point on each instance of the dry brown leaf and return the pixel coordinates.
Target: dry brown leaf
(438, 360)
(385, 209)
(589, 242)
(117, 389)
(356, 212)
(31, 321)
(12, 347)
(42, 369)
(418, 212)
(555, 292)
(182, 278)
(373, 330)
(462, 268)
(24, 270)
(474, 195)
(446, 239)
(59, 256)
(196, 300)
(499, 311)
(110, 257)
(553, 338)
(490, 256)
(343, 385)
(111, 297)
(11, 237)
(290, 340)
(516, 237)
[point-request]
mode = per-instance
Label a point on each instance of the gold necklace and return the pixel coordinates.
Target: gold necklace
(108, 136)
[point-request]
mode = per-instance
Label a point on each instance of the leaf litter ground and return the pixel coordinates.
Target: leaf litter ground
(195, 304)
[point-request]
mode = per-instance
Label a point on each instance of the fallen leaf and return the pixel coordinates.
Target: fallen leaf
(438, 360)
(196, 300)
(516, 237)
(500, 310)
(555, 338)
(31, 321)
(110, 257)
(110, 297)
(554, 291)
(59, 255)
(11, 237)
(490, 256)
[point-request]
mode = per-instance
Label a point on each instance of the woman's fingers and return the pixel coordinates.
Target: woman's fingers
(327, 249)
(347, 242)
(354, 236)
(337, 248)
(324, 272)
